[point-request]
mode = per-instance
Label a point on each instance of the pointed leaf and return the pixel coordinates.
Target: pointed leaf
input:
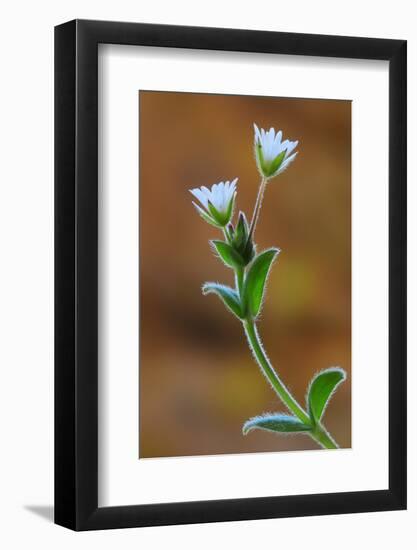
(228, 254)
(282, 423)
(253, 290)
(229, 297)
(321, 389)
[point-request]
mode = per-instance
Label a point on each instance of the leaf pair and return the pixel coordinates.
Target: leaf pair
(321, 389)
(250, 302)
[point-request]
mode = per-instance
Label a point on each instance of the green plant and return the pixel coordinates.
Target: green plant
(251, 269)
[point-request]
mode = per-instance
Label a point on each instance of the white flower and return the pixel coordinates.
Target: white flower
(272, 155)
(217, 201)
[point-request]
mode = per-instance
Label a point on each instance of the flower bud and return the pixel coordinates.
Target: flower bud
(241, 242)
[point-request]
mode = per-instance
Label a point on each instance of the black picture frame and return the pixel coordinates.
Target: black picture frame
(76, 274)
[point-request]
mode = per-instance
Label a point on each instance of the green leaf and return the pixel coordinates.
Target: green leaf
(228, 254)
(321, 389)
(228, 296)
(278, 422)
(254, 287)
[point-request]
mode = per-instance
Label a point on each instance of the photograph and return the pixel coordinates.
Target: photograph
(209, 260)
(244, 274)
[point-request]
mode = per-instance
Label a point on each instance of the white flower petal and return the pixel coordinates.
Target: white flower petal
(233, 186)
(272, 146)
(257, 134)
(277, 143)
(200, 196)
(219, 195)
(279, 136)
(290, 147)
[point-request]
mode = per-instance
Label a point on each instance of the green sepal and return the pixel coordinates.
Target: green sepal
(321, 389)
(249, 252)
(260, 160)
(215, 214)
(230, 208)
(254, 286)
(282, 423)
(222, 219)
(268, 169)
(240, 242)
(276, 163)
(228, 254)
(206, 217)
(241, 233)
(228, 296)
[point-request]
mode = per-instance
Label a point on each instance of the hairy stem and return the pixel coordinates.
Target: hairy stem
(239, 275)
(319, 433)
(257, 209)
(273, 378)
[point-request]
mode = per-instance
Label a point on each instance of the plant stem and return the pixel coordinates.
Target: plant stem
(273, 378)
(322, 436)
(240, 274)
(257, 209)
(319, 433)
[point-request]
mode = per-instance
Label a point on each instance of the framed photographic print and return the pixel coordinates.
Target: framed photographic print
(230, 275)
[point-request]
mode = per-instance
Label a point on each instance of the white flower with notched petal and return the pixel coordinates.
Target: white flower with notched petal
(272, 155)
(217, 201)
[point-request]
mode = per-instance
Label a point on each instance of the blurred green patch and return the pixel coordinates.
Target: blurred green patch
(294, 289)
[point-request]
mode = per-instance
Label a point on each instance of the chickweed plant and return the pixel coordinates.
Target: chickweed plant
(237, 250)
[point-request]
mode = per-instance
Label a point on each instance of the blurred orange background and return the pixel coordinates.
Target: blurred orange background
(198, 380)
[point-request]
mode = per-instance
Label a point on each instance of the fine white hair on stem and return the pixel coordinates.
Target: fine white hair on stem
(256, 358)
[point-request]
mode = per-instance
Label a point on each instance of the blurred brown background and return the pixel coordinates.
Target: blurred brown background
(198, 380)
